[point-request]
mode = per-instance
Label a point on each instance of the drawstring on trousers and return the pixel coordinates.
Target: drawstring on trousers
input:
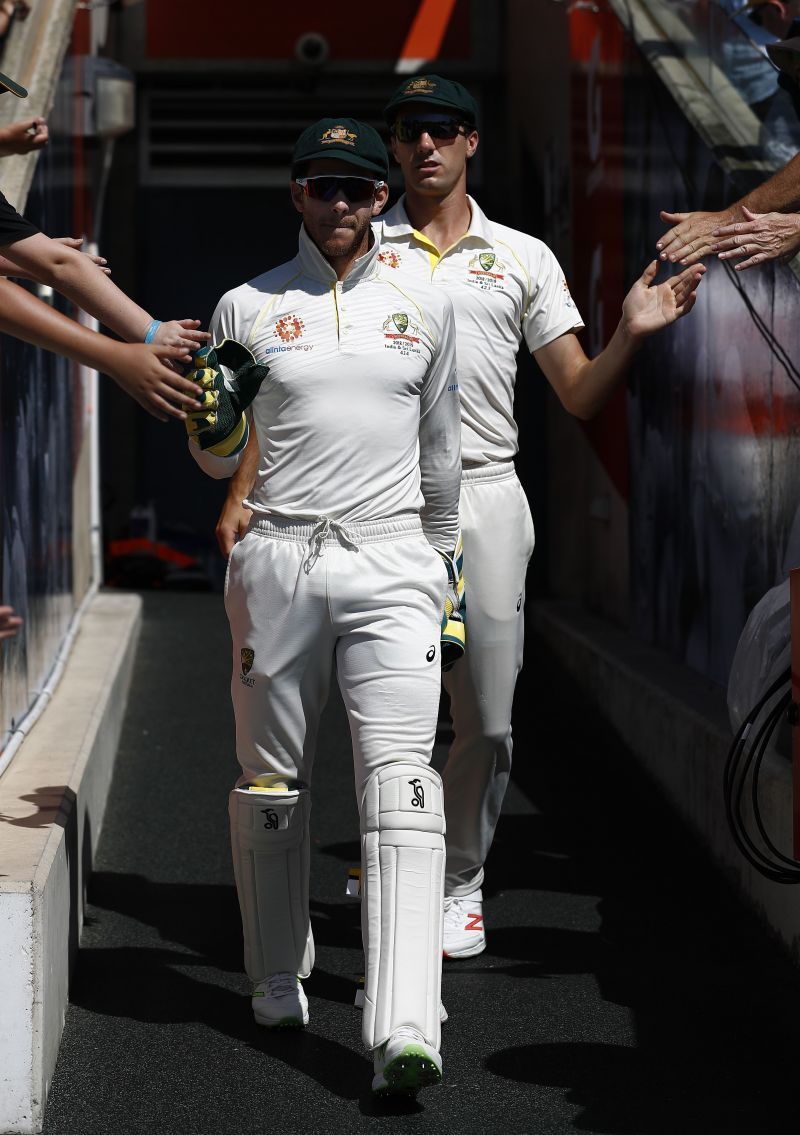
(323, 526)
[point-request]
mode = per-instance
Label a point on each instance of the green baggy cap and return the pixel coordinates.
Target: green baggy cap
(435, 91)
(346, 138)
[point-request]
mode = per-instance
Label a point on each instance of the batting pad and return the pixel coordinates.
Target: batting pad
(402, 895)
(270, 844)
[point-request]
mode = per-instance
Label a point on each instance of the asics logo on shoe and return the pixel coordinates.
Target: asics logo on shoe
(419, 793)
(272, 818)
(431, 654)
(475, 922)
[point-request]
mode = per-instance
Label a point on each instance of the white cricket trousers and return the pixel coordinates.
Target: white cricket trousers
(300, 595)
(498, 537)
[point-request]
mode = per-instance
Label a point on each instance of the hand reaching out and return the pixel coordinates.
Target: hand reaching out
(76, 242)
(182, 333)
(142, 370)
(23, 137)
(692, 235)
(760, 237)
(649, 306)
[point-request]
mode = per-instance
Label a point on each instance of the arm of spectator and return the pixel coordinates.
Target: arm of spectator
(234, 517)
(23, 137)
(9, 622)
(77, 278)
(760, 237)
(140, 369)
(692, 235)
(9, 268)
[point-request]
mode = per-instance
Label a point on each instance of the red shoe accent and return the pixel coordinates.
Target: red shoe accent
(475, 923)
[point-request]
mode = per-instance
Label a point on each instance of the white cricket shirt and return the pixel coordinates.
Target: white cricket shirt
(504, 285)
(358, 418)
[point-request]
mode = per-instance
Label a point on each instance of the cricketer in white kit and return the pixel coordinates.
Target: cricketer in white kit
(507, 287)
(355, 513)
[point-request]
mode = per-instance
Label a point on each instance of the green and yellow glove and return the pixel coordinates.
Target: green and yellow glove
(454, 631)
(220, 422)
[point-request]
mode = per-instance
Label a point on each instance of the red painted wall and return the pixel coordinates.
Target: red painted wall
(241, 29)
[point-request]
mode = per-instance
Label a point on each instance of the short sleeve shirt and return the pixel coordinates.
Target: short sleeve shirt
(13, 227)
(505, 286)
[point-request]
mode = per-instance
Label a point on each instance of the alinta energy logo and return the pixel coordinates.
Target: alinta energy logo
(289, 328)
(390, 258)
(400, 334)
(486, 271)
(338, 135)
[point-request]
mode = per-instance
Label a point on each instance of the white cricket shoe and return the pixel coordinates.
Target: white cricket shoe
(280, 1003)
(405, 1063)
(464, 935)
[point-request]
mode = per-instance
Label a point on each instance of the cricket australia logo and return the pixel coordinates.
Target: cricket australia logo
(390, 258)
(419, 793)
(401, 334)
(568, 300)
(271, 820)
(248, 658)
(486, 272)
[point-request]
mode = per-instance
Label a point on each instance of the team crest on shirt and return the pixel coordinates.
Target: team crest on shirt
(568, 300)
(486, 272)
(401, 334)
(390, 258)
(289, 329)
(248, 658)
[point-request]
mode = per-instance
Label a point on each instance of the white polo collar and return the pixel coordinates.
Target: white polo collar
(314, 264)
(399, 224)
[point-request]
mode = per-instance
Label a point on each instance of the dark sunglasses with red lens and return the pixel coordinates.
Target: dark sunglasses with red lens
(326, 187)
(410, 129)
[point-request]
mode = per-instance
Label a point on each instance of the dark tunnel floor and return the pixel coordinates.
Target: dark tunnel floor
(624, 991)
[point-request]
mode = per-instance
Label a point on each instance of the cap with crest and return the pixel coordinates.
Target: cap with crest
(433, 90)
(345, 138)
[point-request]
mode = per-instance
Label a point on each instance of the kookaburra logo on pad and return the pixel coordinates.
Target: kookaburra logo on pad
(419, 793)
(272, 818)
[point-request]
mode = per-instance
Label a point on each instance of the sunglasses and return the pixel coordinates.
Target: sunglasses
(328, 186)
(410, 129)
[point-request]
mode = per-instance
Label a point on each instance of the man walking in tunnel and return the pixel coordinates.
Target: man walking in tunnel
(505, 286)
(346, 562)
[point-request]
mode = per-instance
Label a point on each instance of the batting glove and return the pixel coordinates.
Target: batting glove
(220, 423)
(454, 631)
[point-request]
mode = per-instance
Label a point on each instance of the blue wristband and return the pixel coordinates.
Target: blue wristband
(151, 331)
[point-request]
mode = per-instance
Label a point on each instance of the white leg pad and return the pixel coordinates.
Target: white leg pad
(402, 895)
(271, 852)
